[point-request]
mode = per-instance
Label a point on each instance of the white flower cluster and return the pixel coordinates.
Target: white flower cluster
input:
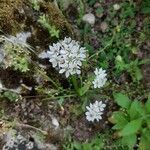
(18, 141)
(67, 56)
(100, 78)
(95, 111)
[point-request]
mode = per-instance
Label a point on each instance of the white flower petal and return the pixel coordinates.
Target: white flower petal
(95, 111)
(62, 71)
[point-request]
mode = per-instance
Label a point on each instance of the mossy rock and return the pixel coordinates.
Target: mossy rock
(57, 18)
(11, 15)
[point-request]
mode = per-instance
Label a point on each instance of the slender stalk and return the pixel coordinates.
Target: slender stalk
(98, 52)
(75, 84)
(109, 43)
(57, 97)
(48, 79)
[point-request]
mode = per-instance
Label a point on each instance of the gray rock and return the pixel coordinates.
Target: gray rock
(89, 18)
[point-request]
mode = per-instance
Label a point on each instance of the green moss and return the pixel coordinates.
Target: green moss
(57, 18)
(9, 9)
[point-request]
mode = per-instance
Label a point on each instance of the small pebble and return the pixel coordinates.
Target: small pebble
(55, 122)
(104, 26)
(89, 18)
(116, 6)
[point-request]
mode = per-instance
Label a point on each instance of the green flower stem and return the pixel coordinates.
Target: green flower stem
(58, 97)
(48, 79)
(109, 43)
(98, 52)
(75, 84)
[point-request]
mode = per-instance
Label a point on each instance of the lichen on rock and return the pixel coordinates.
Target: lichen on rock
(11, 15)
(57, 18)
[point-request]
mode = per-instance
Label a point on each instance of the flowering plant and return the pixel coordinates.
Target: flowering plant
(67, 56)
(95, 111)
(100, 79)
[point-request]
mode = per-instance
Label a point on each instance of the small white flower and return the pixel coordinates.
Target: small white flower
(116, 6)
(43, 55)
(66, 55)
(20, 38)
(95, 111)
(29, 145)
(100, 78)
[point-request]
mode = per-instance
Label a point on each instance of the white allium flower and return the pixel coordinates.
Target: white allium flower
(100, 78)
(95, 111)
(67, 56)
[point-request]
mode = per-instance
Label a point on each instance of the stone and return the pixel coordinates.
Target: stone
(116, 7)
(89, 18)
(104, 26)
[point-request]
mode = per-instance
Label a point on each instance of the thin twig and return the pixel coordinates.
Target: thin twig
(26, 126)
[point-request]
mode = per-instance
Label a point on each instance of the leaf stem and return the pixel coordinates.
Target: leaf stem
(75, 84)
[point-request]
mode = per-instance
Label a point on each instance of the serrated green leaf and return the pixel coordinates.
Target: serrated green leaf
(129, 140)
(147, 105)
(145, 140)
(122, 100)
(136, 110)
(120, 119)
(132, 127)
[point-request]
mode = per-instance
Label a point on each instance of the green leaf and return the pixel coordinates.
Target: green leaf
(87, 146)
(129, 140)
(148, 121)
(146, 10)
(89, 48)
(138, 74)
(145, 140)
(147, 105)
(122, 100)
(145, 7)
(86, 86)
(120, 119)
(132, 127)
(136, 110)
(77, 145)
(84, 89)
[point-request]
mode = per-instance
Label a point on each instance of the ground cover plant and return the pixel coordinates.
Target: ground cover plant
(74, 75)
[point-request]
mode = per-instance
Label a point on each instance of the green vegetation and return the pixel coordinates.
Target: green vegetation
(95, 144)
(43, 20)
(132, 121)
(81, 64)
(16, 55)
